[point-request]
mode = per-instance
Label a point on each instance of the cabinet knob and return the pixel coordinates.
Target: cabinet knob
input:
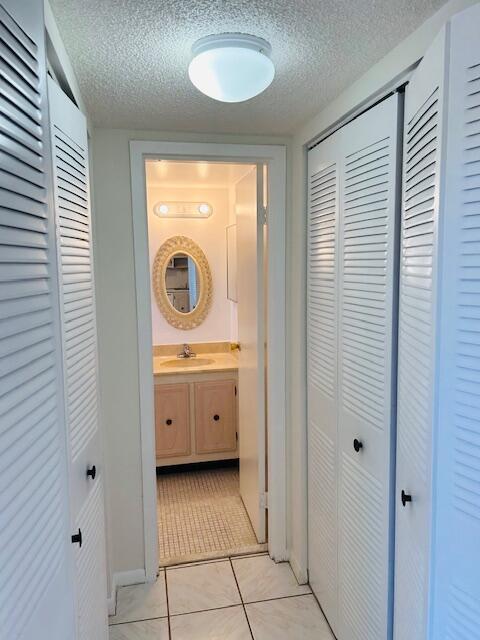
(216, 417)
(357, 445)
(406, 497)
(77, 538)
(92, 472)
(168, 421)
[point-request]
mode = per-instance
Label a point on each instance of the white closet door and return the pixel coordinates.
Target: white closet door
(456, 599)
(367, 285)
(323, 205)
(417, 341)
(36, 597)
(352, 290)
(79, 340)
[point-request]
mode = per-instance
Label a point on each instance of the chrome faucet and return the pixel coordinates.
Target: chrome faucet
(187, 352)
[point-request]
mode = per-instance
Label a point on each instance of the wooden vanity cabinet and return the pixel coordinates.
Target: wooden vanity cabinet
(215, 416)
(196, 418)
(172, 420)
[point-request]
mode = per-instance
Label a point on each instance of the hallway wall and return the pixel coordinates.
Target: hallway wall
(117, 328)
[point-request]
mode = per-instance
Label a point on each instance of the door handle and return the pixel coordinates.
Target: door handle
(92, 472)
(216, 417)
(168, 421)
(357, 445)
(405, 497)
(77, 538)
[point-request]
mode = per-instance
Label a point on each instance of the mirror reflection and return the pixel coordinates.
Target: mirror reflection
(182, 282)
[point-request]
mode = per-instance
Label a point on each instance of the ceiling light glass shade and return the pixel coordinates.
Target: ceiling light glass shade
(231, 67)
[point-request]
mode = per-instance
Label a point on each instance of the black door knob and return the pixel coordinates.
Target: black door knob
(77, 538)
(168, 421)
(216, 417)
(406, 497)
(92, 472)
(357, 445)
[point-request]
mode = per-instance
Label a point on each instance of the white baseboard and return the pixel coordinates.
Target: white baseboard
(123, 579)
(301, 573)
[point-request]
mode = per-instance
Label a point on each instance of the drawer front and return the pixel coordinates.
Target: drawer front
(172, 420)
(215, 416)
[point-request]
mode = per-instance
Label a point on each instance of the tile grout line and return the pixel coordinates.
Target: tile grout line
(241, 598)
(119, 624)
(232, 606)
(168, 606)
(228, 606)
(187, 564)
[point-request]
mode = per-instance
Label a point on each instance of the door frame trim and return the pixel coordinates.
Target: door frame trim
(275, 158)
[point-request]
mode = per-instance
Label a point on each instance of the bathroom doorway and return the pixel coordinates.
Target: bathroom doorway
(206, 283)
(207, 250)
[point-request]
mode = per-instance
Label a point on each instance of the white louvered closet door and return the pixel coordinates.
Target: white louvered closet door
(456, 599)
(417, 360)
(367, 286)
(352, 289)
(79, 342)
(36, 597)
(323, 162)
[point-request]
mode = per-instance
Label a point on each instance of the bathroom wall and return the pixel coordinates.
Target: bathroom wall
(232, 219)
(210, 235)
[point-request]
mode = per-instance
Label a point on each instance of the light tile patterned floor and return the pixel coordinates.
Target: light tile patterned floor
(246, 598)
(201, 515)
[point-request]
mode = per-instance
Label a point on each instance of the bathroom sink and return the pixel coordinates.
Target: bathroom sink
(188, 362)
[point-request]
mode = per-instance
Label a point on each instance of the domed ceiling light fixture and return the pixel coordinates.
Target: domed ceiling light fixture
(231, 67)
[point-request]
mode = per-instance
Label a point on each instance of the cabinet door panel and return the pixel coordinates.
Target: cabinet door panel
(215, 417)
(172, 420)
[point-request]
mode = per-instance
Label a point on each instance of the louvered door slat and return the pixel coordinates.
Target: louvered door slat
(34, 528)
(79, 339)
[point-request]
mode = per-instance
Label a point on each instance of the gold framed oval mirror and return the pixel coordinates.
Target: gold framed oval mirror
(182, 282)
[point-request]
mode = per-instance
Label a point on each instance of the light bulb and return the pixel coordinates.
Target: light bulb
(231, 67)
(204, 208)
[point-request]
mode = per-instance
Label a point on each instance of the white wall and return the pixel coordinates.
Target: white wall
(117, 328)
(395, 64)
(210, 235)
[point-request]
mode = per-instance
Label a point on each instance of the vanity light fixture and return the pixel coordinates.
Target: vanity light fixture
(204, 208)
(231, 67)
(183, 209)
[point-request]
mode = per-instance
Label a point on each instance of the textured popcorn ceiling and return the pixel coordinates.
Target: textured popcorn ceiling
(131, 56)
